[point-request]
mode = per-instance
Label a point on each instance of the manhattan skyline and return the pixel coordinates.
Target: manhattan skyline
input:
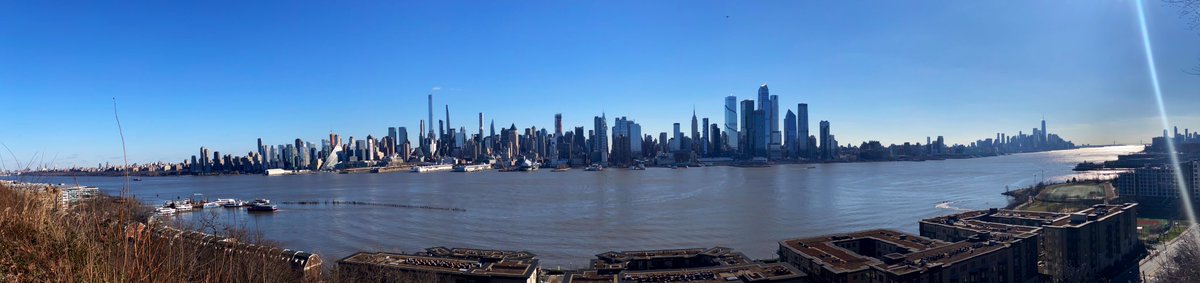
(873, 81)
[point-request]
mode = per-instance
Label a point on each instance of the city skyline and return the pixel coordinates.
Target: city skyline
(198, 105)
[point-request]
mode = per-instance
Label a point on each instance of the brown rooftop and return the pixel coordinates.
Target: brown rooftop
(451, 263)
(823, 249)
(747, 272)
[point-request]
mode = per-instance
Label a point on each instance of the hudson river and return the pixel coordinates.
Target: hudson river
(568, 217)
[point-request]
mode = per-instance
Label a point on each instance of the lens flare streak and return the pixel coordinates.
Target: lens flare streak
(1184, 194)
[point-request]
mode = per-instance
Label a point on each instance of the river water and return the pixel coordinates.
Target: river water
(568, 217)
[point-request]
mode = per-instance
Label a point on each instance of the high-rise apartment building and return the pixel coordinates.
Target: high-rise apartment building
(731, 122)
(802, 130)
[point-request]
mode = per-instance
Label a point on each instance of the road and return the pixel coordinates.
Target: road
(1153, 264)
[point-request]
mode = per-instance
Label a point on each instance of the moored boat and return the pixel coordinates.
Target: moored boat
(526, 165)
(261, 207)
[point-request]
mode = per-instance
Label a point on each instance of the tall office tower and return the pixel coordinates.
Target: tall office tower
(424, 150)
(622, 140)
(731, 122)
(371, 148)
(789, 133)
(635, 138)
(601, 124)
(774, 115)
(663, 145)
(764, 105)
(392, 133)
(746, 137)
(761, 145)
(558, 125)
(775, 144)
(704, 145)
(402, 135)
(826, 141)
(430, 116)
(299, 151)
(206, 165)
(1045, 137)
(441, 134)
(262, 153)
(480, 126)
(714, 140)
(941, 144)
(448, 127)
(802, 129)
(676, 138)
(695, 126)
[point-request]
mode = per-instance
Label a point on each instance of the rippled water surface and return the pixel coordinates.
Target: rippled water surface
(567, 217)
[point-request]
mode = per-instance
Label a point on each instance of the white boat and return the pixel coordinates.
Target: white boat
(433, 168)
(211, 205)
(594, 167)
(472, 168)
(233, 203)
(527, 165)
(164, 211)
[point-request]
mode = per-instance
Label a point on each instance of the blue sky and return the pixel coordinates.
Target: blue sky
(223, 73)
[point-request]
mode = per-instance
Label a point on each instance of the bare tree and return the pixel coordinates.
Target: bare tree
(1181, 264)
(1189, 11)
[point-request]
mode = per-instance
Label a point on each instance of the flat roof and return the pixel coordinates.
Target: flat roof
(469, 253)
(620, 259)
(439, 264)
(745, 272)
(823, 249)
(986, 220)
(922, 253)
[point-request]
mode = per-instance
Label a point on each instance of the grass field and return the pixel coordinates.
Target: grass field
(1072, 192)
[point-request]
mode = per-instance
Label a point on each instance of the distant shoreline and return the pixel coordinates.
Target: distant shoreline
(785, 162)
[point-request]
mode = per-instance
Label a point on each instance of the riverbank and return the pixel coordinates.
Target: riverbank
(104, 239)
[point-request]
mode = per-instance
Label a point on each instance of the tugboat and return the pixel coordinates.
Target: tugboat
(525, 165)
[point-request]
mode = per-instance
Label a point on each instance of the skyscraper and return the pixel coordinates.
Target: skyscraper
(774, 145)
(430, 115)
(392, 133)
(764, 105)
(746, 136)
(262, 153)
(826, 141)
(601, 125)
(802, 129)
(789, 133)
(558, 125)
(695, 126)
(676, 139)
(480, 127)
(1045, 137)
(402, 134)
(704, 144)
(731, 124)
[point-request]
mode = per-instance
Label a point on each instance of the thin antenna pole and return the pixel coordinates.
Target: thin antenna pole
(124, 153)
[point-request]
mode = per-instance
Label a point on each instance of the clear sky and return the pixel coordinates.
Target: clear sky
(223, 73)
